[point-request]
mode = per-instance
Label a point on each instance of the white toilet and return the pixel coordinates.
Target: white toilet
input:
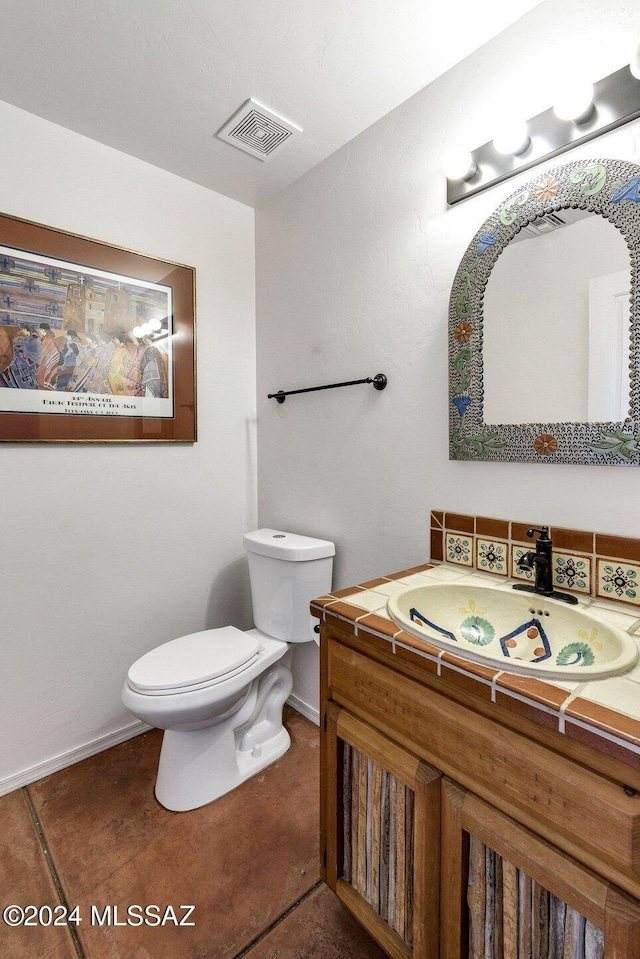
(218, 694)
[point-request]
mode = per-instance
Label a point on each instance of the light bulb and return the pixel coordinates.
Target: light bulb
(575, 102)
(512, 138)
(634, 64)
(459, 165)
(155, 325)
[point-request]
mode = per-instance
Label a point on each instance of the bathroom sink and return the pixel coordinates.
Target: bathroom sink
(518, 632)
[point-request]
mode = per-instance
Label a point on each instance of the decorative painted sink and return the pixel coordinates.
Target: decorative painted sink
(518, 632)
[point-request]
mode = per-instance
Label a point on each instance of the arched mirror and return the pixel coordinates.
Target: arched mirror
(544, 323)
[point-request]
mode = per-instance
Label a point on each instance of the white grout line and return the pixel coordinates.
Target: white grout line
(576, 692)
(624, 743)
(417, 652)
(465, 672)
(529, 702)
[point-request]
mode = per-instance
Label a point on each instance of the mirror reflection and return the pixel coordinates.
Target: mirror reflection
(556, 327)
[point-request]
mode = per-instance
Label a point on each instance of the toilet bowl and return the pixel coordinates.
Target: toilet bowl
(219, 693)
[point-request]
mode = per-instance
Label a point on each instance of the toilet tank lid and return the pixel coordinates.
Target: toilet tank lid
(287, 546)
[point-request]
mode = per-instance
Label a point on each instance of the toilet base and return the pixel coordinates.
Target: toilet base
(200, 765)
(250, 764)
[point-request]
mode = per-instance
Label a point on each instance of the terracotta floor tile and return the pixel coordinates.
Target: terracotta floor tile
(100, 813)
(242, 861)
(320, 928)
(25, 880)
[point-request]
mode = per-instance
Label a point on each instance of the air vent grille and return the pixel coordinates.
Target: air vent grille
(257, 130)
(545, 224)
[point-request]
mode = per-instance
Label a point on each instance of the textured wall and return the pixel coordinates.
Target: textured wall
(354, 266)
(111, 550)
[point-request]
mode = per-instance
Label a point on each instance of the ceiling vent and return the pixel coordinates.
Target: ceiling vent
(257, 130)
(549, 222)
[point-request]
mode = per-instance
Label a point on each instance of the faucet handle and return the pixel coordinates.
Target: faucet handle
(543, 533)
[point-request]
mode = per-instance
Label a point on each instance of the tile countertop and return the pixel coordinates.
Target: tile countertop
(602, 713)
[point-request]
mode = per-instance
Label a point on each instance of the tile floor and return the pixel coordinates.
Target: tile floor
(94, 835)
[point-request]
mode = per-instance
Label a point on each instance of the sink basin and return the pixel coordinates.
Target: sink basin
(518, 632)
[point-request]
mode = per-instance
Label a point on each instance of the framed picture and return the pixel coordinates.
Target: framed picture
(97, 343)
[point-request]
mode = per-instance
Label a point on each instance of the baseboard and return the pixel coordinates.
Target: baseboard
(69, 758)
(78, 753)
(309, 712)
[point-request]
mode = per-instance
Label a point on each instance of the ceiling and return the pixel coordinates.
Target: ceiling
(158, 78)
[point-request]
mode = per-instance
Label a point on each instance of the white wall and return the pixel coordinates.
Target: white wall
(354, 267)
(109, 550)
(537, 306)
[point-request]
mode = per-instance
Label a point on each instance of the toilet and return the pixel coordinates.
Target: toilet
(219, 693)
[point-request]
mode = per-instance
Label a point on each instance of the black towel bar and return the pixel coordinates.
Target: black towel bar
(379, 382)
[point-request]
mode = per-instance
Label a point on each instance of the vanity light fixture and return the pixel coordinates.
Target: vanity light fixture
(512, 139)
(152, 328)
(575, 102)
(458, 164)
(581, 113)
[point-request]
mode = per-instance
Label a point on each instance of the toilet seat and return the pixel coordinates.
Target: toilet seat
(194, 661)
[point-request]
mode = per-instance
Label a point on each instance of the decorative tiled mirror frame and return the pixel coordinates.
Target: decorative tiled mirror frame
(584, 562)
(610, 188)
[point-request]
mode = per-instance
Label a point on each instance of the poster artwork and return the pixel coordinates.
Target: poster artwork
(78, 340)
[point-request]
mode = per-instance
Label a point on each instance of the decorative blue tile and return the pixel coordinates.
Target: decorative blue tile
(491, 557)
(618, 581)
(572, 572)
(459, 549)
(517, 552)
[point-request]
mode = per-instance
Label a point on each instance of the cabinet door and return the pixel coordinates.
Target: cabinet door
(506, 894)
(381, 835)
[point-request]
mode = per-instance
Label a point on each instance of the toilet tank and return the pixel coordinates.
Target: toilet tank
(287, 571)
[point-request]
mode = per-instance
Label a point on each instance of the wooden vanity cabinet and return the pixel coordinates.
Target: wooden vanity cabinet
(508, 893)
(450, 836)
(381, 832)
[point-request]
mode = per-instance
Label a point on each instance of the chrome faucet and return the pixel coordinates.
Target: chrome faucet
(541, 562)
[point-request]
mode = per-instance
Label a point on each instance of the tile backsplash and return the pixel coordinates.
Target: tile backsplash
(587, 563)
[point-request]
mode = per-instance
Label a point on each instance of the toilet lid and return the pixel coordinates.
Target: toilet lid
(194, 660)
